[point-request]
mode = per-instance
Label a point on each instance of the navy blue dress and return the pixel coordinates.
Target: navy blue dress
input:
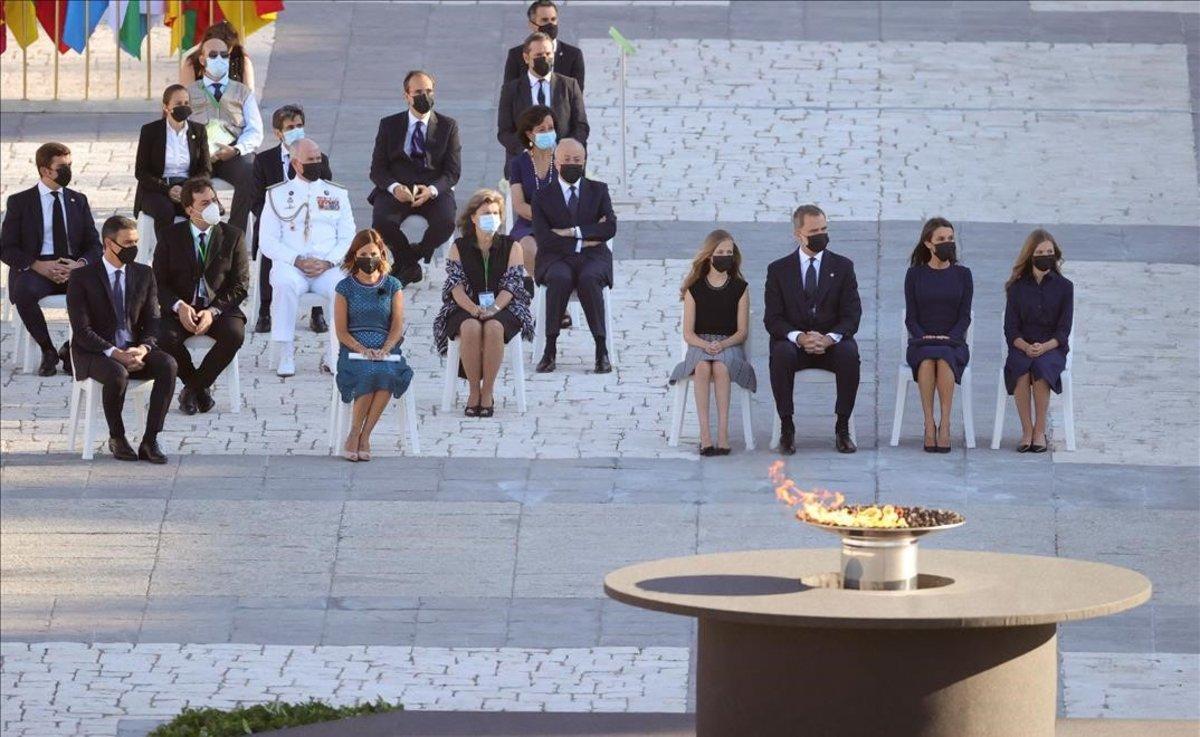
(938, 302)
(1037, 313)
(369, 319)
(520, 171)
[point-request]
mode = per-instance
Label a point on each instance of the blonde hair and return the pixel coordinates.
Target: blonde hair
(1024, 263)
(481, 197)
(700, 264)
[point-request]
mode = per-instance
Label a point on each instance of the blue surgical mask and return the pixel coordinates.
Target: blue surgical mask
(489, 223)
(290, 137)
(545, 140)
(217, 68)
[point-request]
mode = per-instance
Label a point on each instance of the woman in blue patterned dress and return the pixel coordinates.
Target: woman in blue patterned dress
(484, 300)
(368, 315)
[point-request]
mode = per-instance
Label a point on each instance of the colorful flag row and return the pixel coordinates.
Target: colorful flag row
(72, 22)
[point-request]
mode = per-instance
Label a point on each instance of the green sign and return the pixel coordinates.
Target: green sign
(621, 41)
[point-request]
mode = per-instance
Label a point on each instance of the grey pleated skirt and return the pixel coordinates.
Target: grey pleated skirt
(734, 358)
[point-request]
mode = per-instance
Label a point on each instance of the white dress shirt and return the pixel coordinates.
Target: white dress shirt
(48, 215)
(805, 260)
(285, 157)
(252, 133)
(566, 190)
(178, 159)
(408, 145)
(533, 87)
(111, 271)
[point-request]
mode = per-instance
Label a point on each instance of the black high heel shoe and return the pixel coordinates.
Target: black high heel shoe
(941, 448)
(1035, 448)
(472, 410)
(933, 448)
(487, 411)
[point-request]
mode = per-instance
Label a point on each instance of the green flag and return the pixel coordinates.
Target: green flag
(621, 41)
(133, 29)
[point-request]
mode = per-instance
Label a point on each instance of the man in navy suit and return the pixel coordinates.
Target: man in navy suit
(812, 313)
(542, 84)
(48, 232)
(573, 221)
(568, 59)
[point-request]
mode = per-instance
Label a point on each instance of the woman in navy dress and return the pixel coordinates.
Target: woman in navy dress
(1038, 314)
(529, 172)
(937, 300)
(369, 320)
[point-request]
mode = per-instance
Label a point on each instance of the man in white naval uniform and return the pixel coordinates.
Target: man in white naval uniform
(306, 230)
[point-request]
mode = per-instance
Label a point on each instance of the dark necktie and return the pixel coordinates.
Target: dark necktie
(573, 205)
(201, 257)
(217, 92)
(810, 279)
(418, 143)
(119, 308)
(541, 92)
(58, 227)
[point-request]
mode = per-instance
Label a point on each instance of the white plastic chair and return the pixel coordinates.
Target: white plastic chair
(809, 376)
(86, 393)
(516, 362)
(25, 347)
(680, 399)
(539, 314)
(904, 378)
(6, 308)
(341, 413)
(232, 373)
(1068, 394)
(505, 190)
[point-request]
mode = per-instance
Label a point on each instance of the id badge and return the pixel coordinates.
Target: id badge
(486, 299)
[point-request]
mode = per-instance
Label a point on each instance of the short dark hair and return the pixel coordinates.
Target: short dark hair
(803, 211)
(116, 224)
(286, 113)
(171, 90)
(530, 119)
(46, 153)
(415, 73)
(535, 36)
(533, 7)
(192, 187)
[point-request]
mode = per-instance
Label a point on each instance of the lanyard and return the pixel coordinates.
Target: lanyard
(487, 269)
(202, 247)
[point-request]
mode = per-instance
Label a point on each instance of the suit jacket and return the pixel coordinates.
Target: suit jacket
(21, 234)
(390, 164)
(93, 320)
(268, 171)
(837, 305)
(226, 270)
(566, 100)
(550, 212)
(568, 61)
(152, 155)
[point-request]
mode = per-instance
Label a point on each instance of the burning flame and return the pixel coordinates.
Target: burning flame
(825, 507)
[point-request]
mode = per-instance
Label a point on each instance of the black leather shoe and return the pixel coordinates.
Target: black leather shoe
(187, 401)
(603, 366)
(546, 365)
(263, 325)
(410, 274)
(121, 449)
(787, 438)
(49, 364)
(149, 451)
(205, 401)
(316, 321)
(566, 321)
(64, 354)
(841, 439)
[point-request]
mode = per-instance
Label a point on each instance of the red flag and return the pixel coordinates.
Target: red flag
(208, 13)
(262, 7)
(45, 15)
(3, 31)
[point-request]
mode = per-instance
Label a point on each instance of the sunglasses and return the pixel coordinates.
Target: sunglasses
(215, 54)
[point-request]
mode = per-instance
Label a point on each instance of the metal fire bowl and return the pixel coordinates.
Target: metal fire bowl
(886, 533)
(880, 558)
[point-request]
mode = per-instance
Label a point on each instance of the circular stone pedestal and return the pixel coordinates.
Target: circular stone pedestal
(975, 657)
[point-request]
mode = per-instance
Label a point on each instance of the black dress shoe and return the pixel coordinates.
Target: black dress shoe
(410, 274)
(204, 400)
(566, 321)
(187, 401)
(546, 365)
(707, 450)
(121, 449)
(317, 321)
(64, 353)
(1024, 447)
(841, 439)
(603, 366)
(49, 364)
(263, 325)
(787, 437)
(149, 451)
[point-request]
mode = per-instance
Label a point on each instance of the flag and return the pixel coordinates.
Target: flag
(132, 29)
(3, 31)
(51, 14)
(20, 17)
(78, 27)
(244, 15)
(266, 7)
(189, 19)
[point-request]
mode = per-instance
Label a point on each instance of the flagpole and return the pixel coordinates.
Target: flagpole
(24, 73)
(87, 53)
(149, 54)
(117, 40)
(57, 41)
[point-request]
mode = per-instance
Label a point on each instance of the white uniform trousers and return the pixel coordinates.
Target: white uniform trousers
(288, 284)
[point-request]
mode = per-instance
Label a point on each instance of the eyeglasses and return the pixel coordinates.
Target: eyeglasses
(215, 54)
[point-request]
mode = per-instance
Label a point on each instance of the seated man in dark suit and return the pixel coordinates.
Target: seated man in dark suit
(812, 313)
(568, 59)
(270, 168)
(113, 306)
(573, 221)
(415, 165)
(170, 151)
(541, 84)
(48, 233)
(203, 275)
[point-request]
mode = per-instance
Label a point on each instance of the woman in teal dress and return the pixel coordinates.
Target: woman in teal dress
(369, 319)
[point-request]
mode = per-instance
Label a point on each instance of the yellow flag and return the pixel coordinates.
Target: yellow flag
(173, 18)
(21, 18)
(243, 14)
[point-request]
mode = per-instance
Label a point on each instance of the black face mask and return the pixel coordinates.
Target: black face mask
(63, 176)
(126, 254)
(181, 113)
(367, 264)
(571, 173)
(550, 29)
(818, 242)
(947, 251)
(1044, 263)
(722, 263)
(312, 172)
(423, 103)
(542, 66)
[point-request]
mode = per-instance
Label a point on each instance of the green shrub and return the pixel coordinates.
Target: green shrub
(261, 718)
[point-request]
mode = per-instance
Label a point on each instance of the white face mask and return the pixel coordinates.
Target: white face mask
(211, 214)
(489, 223)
